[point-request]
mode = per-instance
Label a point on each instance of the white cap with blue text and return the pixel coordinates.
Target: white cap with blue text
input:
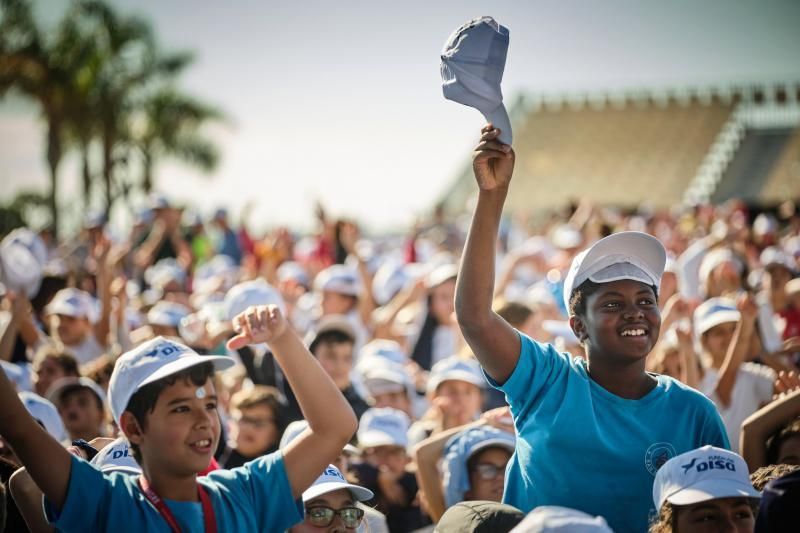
(383, 426)
(700, 475)
(149, 362)
(117, 457)
(331, 480)
(630, 255)
(473, 61)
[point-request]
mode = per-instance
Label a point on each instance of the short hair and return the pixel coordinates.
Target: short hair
(263, 395)
(765, 474)
(514, 313)
(580, 295)
(64, 358)
(144, 400)
(774, 442)
(333, 336)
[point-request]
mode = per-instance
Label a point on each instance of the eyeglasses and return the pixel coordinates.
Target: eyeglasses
(320, 516)
(488, 471)
(258, 423)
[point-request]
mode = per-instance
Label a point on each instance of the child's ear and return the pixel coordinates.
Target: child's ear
(131, 428)
(578, 328)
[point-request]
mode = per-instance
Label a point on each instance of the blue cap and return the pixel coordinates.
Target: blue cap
(460, 448)
(473, 61)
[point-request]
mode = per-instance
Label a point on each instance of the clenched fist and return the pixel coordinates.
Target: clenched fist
(492, 161)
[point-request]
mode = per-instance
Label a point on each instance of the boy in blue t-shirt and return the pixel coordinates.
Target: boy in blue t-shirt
(163, 399)
(592, 432)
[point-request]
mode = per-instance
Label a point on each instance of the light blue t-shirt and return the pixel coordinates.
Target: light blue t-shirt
(583, 447)
(253, 497)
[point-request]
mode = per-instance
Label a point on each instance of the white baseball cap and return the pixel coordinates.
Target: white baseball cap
(381, 376)
(385, 349)
(73, 302)
(440, 274)
(247, 293)
(455, 368)
(715, 258)
(294, 429)
(625, 255)
(168, 314)
(713, 312)
(331, 480)
(165, 272)
(383, 426)
(339, 279)
(45, 413)
(23, 255)
(473, 61)
(553, 519)
(700, 475)
(116, 457)
(149, 362)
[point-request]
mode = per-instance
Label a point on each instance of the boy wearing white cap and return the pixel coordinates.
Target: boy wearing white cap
(74, 323)
(163, 399)
(592, 432)
(704, 490)
(330, 504)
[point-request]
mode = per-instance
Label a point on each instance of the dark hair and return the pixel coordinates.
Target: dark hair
(263, 395)
(581, 294)
(333, 336)
(144, 400)
(667, 519)
(514, 313)
(774, 443)
(765, 474)
(64, 358)
(69, 390)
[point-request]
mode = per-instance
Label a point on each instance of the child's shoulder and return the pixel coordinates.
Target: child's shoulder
(678, 392)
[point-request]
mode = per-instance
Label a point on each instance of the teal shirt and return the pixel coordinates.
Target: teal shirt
(582, 447)
(253, 497)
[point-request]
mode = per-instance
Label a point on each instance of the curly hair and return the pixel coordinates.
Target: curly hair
(667, 519)
(765, 474)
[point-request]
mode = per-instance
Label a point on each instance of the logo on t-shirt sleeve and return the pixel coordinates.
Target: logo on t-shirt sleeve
(658, 454)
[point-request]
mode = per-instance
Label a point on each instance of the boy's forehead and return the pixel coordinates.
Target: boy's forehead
(623, 286)
(186, 388)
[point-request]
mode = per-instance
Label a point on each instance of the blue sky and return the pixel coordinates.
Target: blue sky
(341, 101)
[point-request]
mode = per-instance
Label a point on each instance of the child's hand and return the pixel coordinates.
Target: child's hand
(747, 306)
(499, 418)
(263, 323)
(492, 161)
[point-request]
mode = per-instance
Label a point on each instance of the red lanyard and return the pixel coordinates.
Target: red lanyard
(208, 511)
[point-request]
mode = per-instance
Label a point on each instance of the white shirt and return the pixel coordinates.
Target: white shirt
(753, 389)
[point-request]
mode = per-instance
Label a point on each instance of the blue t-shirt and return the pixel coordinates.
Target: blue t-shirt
(583, 447)
(253, 497)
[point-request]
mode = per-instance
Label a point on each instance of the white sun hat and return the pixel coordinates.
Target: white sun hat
(149, 362)
(625, 255)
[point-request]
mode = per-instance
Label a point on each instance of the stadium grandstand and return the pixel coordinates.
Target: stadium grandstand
(659, 148)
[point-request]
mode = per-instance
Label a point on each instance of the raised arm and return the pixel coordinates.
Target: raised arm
(47, 462)
(737, 351)
(330, 418)
(762, 424)
(493, 341)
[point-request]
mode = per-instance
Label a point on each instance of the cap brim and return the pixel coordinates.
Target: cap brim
(110, 469)
(720, 317)
(491, 443)
(712, 489)
(220, 362)
(498, 118)
(372, 439)
(361, 494)
(457, 375)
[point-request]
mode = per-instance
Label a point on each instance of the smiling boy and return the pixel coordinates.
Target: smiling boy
(592, 432)
(163, 398)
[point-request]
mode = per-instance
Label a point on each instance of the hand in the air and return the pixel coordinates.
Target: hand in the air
(257, 324)
(492, 161)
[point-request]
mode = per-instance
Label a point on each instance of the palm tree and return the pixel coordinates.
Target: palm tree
(130, 64)
(169, 126)
(43, 70)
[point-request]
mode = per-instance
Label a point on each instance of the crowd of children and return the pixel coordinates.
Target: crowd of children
(596, 370)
